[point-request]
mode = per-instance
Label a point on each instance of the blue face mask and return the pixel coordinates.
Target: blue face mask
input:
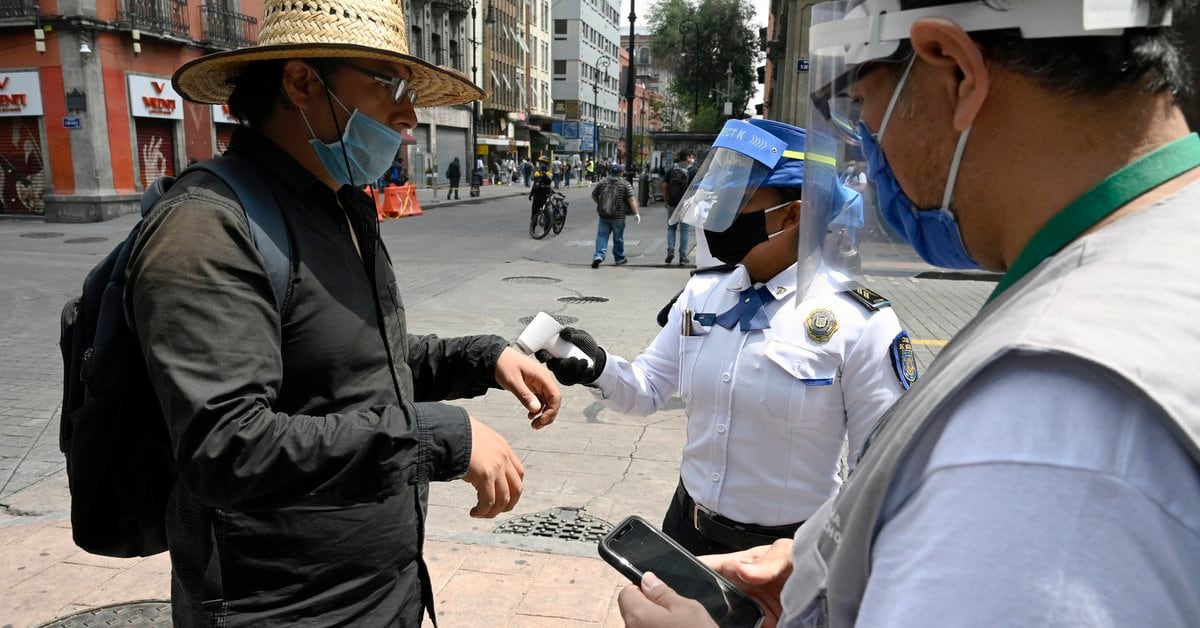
(934, 234)
(367, 144)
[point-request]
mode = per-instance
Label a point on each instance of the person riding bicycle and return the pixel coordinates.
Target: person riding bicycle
(540, 193)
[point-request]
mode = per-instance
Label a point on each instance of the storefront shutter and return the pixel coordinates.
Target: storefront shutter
(156, 149)
(224, 135)
(22, 168)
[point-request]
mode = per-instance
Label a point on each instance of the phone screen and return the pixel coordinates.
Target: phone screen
(644, 548)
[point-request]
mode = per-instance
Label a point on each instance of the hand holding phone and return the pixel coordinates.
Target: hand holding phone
(634, 547)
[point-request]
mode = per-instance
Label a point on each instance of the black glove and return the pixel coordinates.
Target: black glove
(571, 371)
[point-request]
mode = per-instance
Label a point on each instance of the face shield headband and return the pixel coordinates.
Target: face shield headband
(860, 34)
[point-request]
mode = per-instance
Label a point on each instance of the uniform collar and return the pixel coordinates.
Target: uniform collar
(783, 285)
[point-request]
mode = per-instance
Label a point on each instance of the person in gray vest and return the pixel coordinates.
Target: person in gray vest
(1043, 471)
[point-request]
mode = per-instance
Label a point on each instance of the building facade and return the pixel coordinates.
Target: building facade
(88, 116)
(439, 32)
(585, 76)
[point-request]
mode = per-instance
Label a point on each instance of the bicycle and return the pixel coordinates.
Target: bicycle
(551, 217)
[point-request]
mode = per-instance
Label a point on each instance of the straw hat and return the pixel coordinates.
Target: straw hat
(299, 29)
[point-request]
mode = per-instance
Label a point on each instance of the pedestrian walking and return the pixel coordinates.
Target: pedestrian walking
(1044, 471)
(591, 170)
(526, 171)
(775, 381)
(614, 201)
(453, 174)
(567, 170)
(675, 185)
(556, 169)
(304, 430)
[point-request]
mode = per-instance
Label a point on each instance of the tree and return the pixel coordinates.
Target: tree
(698, 43)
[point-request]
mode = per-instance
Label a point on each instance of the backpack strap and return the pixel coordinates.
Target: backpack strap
(267, 228)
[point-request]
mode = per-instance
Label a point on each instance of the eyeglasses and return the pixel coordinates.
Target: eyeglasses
(398, 86)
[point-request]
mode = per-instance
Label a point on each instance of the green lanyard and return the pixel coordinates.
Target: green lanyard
(1115, 192)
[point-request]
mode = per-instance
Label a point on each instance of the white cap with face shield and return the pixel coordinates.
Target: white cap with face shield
(849, 39)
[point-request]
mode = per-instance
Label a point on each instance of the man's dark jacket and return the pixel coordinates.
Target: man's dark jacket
(304, 442)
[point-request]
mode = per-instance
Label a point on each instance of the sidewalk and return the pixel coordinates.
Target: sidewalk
(46, 577)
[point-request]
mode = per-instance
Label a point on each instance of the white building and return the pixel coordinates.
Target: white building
(585, 75)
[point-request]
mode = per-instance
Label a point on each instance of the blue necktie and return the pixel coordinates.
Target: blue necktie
(750, 310)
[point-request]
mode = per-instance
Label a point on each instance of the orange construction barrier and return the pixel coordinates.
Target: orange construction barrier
(401, 201)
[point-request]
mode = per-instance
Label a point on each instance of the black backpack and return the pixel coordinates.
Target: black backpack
(609, 206)
(119, 461)
(677, 184)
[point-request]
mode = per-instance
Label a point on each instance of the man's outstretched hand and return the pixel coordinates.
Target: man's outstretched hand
(531, 384)
(495, 471)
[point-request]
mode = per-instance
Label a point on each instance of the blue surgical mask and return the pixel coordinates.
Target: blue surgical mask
(934, 234)
(367, 144)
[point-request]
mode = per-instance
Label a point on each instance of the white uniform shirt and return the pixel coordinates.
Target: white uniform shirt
(768, 411)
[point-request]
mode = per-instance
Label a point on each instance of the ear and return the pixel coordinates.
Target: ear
(791, 215)
(945, 45)
(301, 85)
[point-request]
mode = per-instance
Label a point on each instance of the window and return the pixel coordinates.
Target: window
(560, 27)
(435, 42)
(418, 41)
(644, 56)
(455, 57)
(560, 67)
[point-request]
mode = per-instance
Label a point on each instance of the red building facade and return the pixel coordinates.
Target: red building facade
(88, 116)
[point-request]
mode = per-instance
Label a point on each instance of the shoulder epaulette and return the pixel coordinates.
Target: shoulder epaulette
(866, 297)
(712, 270)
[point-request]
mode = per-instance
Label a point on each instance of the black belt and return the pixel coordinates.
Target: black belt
(726, 531)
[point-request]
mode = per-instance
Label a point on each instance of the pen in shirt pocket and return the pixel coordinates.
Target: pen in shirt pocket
(687, 322)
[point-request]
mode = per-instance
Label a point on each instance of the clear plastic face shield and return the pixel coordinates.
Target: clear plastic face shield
(741, 158)
(842, 227)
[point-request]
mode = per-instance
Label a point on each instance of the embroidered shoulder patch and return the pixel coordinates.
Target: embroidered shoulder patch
(866, 297)
(904, 360)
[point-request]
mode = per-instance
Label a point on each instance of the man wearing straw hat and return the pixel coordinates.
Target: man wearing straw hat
(305, 433)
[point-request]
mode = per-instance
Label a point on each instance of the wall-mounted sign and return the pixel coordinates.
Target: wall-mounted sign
(153, 97)
(20, 94)
(801, 65)
(72, 122)
(220, 113)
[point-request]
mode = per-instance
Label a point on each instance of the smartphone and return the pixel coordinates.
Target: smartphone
(634, 547)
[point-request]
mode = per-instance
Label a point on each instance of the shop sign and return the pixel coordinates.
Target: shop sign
(72, 122)
(220, 114)
(152, 97)
(20, 94)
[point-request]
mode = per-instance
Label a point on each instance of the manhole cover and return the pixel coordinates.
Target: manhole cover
(148, 613)
(560, 523)
(42, 234)
(532, 279)
(562, 320)
(582, 300)
(87, 240)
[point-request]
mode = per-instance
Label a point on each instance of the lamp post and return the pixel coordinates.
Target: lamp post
(490, 20)
(602, 63)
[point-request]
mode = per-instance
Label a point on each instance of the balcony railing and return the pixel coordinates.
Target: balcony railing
(18, 8)
(169, 17)
(226, 29)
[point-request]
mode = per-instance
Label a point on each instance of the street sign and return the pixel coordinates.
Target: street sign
(801, 65)
(72, 122)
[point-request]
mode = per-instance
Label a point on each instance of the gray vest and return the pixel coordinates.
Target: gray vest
(1125, 299)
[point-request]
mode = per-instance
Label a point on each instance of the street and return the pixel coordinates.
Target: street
(463, 269)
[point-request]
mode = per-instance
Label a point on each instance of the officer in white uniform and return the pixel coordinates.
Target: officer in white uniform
(773, 388)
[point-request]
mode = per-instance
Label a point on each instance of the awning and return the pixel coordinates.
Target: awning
(553, 139)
